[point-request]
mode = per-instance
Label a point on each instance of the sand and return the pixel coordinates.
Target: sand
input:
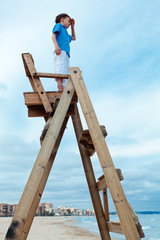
(50, 228)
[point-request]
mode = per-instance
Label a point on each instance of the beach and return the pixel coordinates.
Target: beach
(49, 228)
(79, 228)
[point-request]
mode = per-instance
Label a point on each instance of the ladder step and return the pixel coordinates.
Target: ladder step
(101, 184)
(115, 227)
(86, 140)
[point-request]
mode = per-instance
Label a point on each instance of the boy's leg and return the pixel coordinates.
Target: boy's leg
(60, 84)
(61, 65)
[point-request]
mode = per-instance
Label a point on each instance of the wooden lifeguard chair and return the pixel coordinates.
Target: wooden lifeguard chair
(56, 108)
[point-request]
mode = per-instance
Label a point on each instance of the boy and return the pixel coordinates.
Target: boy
(61, 40)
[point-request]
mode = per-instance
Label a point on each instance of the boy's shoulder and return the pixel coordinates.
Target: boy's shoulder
(58, 24)
(57, 28)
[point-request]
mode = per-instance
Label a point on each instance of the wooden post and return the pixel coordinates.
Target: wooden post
(39, 168)
(110, 174)
(90, 178)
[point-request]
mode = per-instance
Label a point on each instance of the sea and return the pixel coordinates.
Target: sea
(150, 224)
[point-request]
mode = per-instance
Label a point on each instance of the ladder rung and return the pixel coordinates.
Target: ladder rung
(86, 140)
(101, 184)
(115, 227)
(50, 75)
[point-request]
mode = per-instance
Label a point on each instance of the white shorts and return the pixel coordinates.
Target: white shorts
(61, 64)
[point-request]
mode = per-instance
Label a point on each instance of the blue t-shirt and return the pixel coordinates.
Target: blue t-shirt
(63, 38)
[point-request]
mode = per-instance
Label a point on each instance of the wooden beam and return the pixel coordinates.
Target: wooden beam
(42, 184)
(32, 98)
(30, 191)
(101, 184)
(115, 227)
(39, 111)
(109, 171)
(50, 75)
(28, 74)
(88, 169)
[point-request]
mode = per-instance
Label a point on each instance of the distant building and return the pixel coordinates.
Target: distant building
(7, 209)
(40, 210)
(48, 207)
(61, 210)
(45, 209)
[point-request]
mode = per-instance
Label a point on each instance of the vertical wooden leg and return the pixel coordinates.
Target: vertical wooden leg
(105, 202)
(91, 179)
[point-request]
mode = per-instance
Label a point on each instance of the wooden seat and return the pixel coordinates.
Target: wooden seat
(35, 105)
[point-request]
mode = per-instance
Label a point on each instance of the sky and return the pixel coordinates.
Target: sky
(118, 51)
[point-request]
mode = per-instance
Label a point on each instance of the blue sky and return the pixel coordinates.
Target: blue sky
(118, 51)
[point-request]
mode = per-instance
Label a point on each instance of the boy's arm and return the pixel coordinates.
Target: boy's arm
(73, 30)
(57, 48)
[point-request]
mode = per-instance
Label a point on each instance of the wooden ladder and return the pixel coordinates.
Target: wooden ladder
(42, 104)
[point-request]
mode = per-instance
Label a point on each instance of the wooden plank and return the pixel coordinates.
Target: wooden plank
(31, 188)
(101, 184)
(115, 227)
(50, 75)
(31, 70)
(39, 111)
(105, 203)
(109, 171)
(32, 98)
(88, 169)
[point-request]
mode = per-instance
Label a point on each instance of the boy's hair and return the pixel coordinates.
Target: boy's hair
(60, 16)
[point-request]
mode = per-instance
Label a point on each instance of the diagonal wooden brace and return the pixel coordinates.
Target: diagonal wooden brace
(25, 205)
(118, 196)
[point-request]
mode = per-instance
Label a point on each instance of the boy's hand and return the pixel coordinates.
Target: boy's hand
(72, 22)
(57, 50)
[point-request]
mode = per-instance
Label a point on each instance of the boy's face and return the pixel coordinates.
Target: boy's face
(66, 22)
